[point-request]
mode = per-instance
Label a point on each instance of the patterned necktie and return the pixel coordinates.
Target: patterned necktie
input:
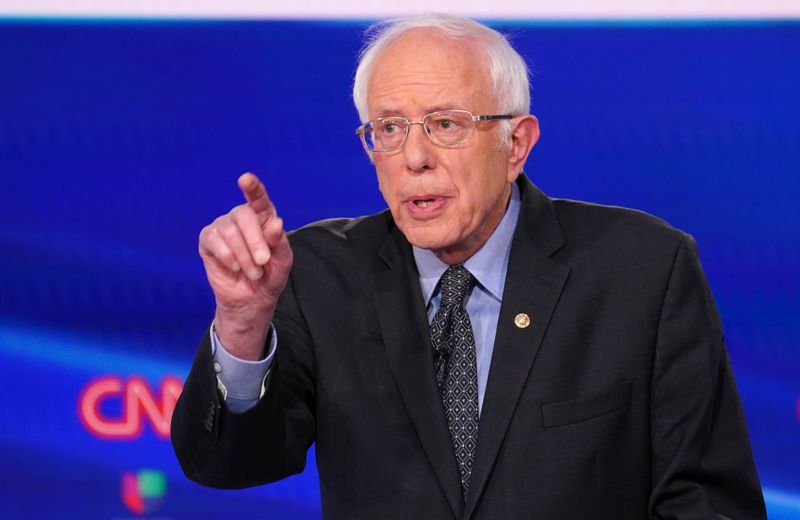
(455, 367)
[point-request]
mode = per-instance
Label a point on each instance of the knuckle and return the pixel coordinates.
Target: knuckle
(225, 256)
(206, 237)
(229, 232)
(241, 213)
(220, 220)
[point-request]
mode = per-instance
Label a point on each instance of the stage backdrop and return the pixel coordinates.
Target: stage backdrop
(120, 140)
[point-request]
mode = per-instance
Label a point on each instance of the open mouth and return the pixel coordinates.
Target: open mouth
(426, 206)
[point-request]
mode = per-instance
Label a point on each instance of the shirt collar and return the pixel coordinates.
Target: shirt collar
(483, 264)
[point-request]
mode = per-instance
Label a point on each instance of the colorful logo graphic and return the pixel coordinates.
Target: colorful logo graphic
(135, 402)
(143, 491)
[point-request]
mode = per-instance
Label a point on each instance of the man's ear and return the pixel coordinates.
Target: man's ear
(525, 133)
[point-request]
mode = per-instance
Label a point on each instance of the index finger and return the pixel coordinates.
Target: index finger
(256, 195)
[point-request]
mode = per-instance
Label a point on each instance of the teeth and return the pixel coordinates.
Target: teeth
(423, 203)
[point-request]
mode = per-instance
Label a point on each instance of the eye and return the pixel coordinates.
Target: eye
(446, 124)
(391, 127)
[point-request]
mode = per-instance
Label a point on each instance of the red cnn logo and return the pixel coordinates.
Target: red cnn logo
(137, 402)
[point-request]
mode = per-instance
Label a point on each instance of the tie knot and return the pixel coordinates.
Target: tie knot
(456, 282)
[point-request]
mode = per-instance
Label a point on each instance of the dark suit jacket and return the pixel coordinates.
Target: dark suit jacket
(618, 401)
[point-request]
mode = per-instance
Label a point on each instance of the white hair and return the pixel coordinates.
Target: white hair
(507, 69)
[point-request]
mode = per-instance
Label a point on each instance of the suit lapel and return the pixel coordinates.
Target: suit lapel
(533, 286)
(404, 324)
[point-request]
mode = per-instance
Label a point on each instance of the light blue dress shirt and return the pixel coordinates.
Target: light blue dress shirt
(489, 266)
(241, 382)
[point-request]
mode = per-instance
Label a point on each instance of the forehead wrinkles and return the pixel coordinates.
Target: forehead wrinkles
(432, 85)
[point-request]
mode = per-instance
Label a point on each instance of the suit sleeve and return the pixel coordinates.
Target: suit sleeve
(702, 463)
(219, 448)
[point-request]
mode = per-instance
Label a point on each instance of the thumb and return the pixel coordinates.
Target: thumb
(280, 250)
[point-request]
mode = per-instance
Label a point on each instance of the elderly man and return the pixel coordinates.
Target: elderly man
(478, 351)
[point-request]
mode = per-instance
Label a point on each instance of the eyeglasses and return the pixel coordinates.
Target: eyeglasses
(447, 128)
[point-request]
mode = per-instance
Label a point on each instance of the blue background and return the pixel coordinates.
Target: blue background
(120, 140)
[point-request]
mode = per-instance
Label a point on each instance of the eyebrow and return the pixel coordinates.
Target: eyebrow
(445, 106)
(392, 112)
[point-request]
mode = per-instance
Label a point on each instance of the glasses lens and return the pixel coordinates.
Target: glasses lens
(449, 127)
(368, 136)
(386, 134)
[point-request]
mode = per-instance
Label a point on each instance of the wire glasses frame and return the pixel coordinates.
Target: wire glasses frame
(446, 128)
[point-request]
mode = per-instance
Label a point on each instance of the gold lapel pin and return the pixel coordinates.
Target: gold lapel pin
(522, 320)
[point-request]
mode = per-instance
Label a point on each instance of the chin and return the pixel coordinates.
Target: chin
(419, 241)
(425, 239)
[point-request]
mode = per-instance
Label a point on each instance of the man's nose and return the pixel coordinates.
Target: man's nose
(418, 150)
